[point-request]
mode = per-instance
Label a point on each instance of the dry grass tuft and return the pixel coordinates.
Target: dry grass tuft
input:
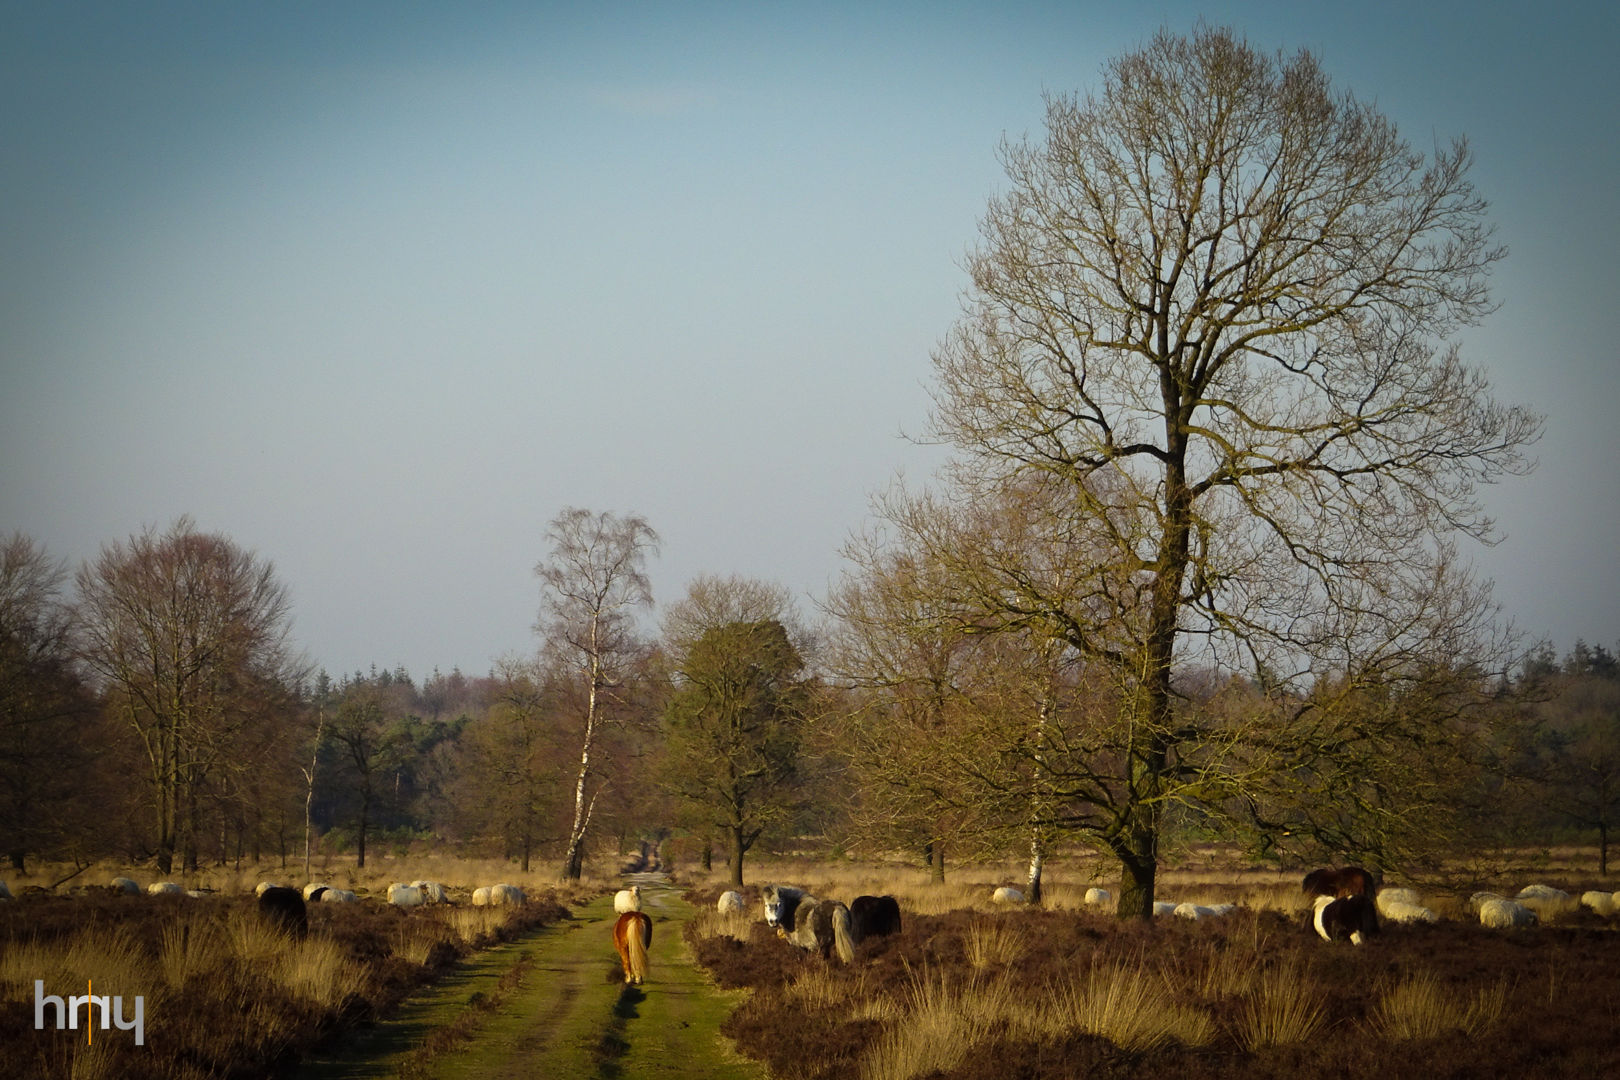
(1420, 1007)
(1130, 1007)
(1285, 1007)
(737, 925)
(941, 1023)
(994, 943)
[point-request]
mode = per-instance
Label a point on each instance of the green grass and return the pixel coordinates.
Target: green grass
(570, 1015)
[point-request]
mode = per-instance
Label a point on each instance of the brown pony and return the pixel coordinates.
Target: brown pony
(632, 936)
(1346, 881)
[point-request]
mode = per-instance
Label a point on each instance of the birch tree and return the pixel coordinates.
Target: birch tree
(594, 581)
(1215, 305)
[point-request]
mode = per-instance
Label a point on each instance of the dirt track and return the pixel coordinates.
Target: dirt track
(570, 1016)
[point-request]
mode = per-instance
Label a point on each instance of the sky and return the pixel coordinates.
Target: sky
(377, 289)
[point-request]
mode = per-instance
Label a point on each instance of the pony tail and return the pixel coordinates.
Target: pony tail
(843, 941)
(640, 934)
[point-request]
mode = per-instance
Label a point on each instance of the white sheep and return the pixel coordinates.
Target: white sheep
(1189, 910)
(1098, 897)
(1397, 896)
(124, 885)
(1601, 903)
(262, 887)
(730, 903)
(432, 891)
(1542, 892)
(338, 896)
(406, 896)
(480, 897)
(1398, 911)
(504, 895)
(1164, 907)
(1501, 914)
(165, 888)
(627, 900)
(1404, 906)
(1007, 895)
(309, 890)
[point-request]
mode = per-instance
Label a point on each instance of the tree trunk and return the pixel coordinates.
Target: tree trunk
(1037, 862)
(935, 851)
(1136, 886)
(573, 862)
(737, 846)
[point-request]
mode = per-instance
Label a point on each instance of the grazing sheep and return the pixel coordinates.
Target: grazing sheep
(123, 885)
(284, 909)
(1190, 910)
(432, 892)
(1352, 918)
(1601, 903)
(1098, 897)
(1404, 906)
(262, 886)
(313, 889)
(406, 896)
(1541, 892)
(504, 895)
(731, 903)
(1398, 896)
(480, 897)
(336, 896)
(1398, 911)
(627, 899)
(1007, 895)
(165, 888)
(1164, 907)
(1500, 914)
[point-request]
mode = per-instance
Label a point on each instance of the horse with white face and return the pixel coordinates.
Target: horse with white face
(781, 902)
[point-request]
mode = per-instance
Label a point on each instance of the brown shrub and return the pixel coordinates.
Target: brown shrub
(1560, 990)
(221, 998)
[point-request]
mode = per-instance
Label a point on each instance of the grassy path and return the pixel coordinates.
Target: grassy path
(571, 1016)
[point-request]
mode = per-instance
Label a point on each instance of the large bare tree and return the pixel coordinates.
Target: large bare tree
(594, 580)
(185, 630)
(1214, 305)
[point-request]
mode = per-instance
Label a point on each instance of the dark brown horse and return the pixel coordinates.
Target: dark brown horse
(1345, 881)
(873, 916)
(632, 936)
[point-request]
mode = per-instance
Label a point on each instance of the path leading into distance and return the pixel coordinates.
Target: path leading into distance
(571, 1017)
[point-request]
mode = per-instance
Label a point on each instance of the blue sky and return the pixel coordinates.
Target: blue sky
(377, 289)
